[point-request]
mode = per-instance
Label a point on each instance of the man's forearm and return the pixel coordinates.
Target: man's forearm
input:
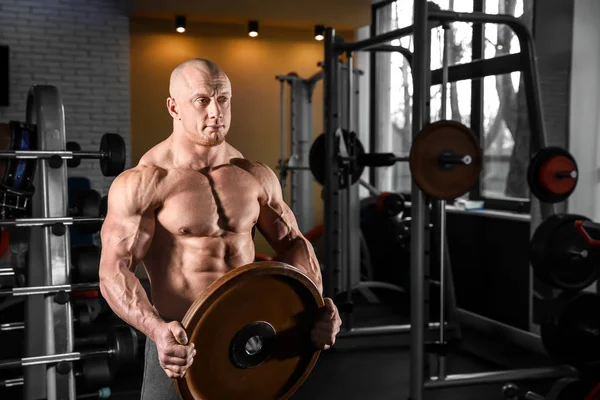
(301, 255)
(127, 298)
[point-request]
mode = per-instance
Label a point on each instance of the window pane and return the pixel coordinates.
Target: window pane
(505, 130)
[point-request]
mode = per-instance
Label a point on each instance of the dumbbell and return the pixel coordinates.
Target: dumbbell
(85, 262)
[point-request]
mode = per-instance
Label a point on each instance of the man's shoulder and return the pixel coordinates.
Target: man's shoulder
(139, 177)
(258, 169)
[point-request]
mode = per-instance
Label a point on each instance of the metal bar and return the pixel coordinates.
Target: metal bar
(347, 248)
(442, 218)
(288, 78)
(375, 41)
(35, 154)
(7, 272)
(53, 358)
(29, 222)
(417, 245)
(481, 68)
(11, 382)
(36, 290)
(282, 166)
(500, 377)
(315, 78)
(332, 199)
(369, 187)
(12, 326)
(477, 90)
(381, 330)
(373, 100)
(488, 326)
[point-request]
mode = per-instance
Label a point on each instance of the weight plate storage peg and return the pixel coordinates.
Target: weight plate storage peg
(552, 174)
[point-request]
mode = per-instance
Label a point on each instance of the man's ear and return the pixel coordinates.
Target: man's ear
(173, 108)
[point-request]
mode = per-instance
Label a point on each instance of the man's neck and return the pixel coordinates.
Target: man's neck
(187, 154)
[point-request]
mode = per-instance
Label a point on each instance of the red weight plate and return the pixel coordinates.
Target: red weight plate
(548, 175)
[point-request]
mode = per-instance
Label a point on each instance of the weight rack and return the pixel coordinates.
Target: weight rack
(48, 325)
(334, 46)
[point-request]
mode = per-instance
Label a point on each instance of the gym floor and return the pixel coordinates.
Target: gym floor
(378, 367)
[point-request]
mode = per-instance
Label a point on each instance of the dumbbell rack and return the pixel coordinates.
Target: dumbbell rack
(48, 324)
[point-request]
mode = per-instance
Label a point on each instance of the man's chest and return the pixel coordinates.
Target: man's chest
(212, 204)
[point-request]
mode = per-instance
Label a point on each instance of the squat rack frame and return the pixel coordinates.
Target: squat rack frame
(334, 46)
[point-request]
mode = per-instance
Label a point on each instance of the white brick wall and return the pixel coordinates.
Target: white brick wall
(82, 48)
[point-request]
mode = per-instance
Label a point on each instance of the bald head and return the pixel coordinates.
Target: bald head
(199, 102)
(185, 73)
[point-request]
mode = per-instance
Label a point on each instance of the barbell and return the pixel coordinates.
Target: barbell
(52, 289)
(112, 153)
(445, 159)
(122, 350)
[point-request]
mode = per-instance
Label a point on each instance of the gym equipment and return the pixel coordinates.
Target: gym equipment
(429, 179)
(317, 159)
(86, 262)
(88, 203)
(552, 174)
(445, 160)
(39, 290)
(262, 314)
(112, 154)
(355, 164)
(122, 351)
(58, 223)
(562, 256)
(16, 176)
(571, 332)
(94, 373)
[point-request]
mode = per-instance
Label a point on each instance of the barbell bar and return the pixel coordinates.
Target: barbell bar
(39, 290)
(112, 153)
(122, 349)
(30, 222)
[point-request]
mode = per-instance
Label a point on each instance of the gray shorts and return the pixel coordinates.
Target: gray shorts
(156, 384)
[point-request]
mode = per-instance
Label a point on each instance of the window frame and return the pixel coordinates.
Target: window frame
(500, 65)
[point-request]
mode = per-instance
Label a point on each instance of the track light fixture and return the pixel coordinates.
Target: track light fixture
(180, 23)
(253, 28)
(319, 32)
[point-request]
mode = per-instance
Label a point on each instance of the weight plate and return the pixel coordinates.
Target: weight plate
(544, 174)
(430, 175)
(316, 158)
(114, 145)
(75, 161)
(571, 334)
(252, 328)
(560, 256)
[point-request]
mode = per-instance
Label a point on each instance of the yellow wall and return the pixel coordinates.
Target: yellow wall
(251, 64)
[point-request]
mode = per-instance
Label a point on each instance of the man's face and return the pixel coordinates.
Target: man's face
(204, 106)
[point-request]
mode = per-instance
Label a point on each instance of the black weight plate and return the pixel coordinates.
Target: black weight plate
(113, 145)
(316, 158)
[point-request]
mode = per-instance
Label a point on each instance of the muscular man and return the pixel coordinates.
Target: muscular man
(186, 213)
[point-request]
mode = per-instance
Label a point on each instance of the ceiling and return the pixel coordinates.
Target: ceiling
(340, 14)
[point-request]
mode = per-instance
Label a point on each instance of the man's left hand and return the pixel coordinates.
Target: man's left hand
(327, 326)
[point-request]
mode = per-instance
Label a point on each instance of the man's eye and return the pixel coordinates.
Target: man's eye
(223, 99)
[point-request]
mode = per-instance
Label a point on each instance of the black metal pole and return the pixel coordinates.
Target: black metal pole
(331, 198)
(417, 248)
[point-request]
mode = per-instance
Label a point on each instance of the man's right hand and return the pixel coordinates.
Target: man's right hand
(174, 353)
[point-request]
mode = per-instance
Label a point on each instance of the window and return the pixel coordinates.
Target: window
(502, 121)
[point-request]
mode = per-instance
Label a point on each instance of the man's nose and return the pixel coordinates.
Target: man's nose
(214, 111)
